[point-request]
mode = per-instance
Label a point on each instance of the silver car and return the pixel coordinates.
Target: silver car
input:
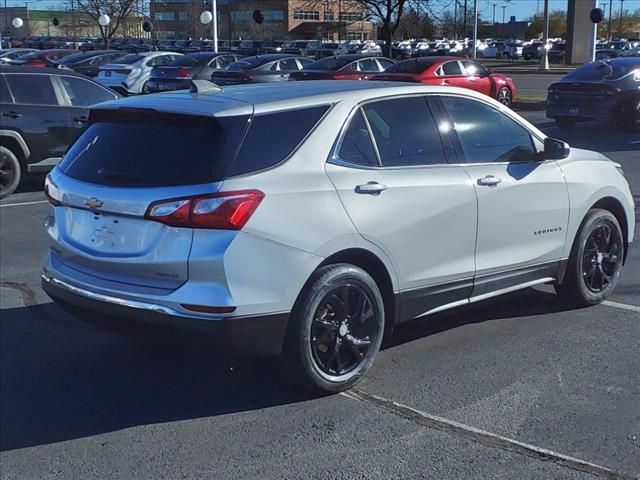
(131, 73)
(310, 218)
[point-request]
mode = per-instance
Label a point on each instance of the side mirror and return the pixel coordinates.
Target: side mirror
(556, 149)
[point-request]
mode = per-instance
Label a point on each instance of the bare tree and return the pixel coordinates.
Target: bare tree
(119, 12)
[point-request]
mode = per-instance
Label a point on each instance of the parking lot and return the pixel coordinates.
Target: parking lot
(519, 387)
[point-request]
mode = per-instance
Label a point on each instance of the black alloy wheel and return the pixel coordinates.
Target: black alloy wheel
(10, 172)
(342, 329)
(601, 260)
(595, 262)
(335, 329)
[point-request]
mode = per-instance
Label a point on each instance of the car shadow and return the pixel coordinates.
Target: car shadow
(61, 379)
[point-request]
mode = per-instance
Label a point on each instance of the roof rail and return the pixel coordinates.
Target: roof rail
(204, 86)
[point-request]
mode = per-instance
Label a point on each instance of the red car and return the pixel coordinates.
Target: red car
(452, 71)
(43, 58)
(343, 67)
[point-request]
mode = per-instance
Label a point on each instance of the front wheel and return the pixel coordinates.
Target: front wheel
(335, 329)
(505, 96)
(10, 172)
(595, 261)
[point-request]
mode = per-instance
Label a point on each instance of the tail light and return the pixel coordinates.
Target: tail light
(37, 63)
(52, 192)
(220, 211)
(340, 77)
(183, 73)
(123, 72)
(247, 78)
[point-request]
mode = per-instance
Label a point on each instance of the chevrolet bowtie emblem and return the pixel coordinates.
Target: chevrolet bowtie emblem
(94, 203)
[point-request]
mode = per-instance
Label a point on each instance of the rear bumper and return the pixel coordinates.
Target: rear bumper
(594, 111)
(262, 334)
(166, 85)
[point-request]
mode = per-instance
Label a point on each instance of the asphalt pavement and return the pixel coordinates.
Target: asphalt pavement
(518, 387)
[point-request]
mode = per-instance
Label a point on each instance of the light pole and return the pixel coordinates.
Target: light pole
(604, 12)
(621, 12)
(544, 58)
(504, 9)
(475, 28)
(104, 20)
(212, 17)
(494, 12)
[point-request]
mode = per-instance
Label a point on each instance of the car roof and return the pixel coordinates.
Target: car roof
(260, 98)
(40, 70)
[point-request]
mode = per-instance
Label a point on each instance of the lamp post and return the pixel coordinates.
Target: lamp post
(104, 20)
(621, 13)
(16, 23)
(212, 17)
(544, 58)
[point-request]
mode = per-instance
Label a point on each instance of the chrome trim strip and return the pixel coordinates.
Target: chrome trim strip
(46, 164)
(151, 307)
(442, 308)
(18, 138)
(510, 289)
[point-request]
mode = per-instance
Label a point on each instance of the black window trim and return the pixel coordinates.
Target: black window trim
(56, 89)
(11, 99)
(538, 142)
(335, 159)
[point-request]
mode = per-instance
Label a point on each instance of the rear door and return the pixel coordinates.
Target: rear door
(477, 77)
(41, 118)
(403, 197)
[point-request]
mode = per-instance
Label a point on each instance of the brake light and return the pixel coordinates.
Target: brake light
(247, 78)
(183, 73)
(340, 77)
(123, 72)
(37, 63)
(52, 192)
(220, 211)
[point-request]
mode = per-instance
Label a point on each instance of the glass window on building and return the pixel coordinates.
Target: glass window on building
(306, 15)
(329, 17)
(182, 16)
(354, 36)
(273, 15)
(165, 16)
(351, 16)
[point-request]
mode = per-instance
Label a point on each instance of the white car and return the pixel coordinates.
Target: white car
(313, 217)
(500, 50)
(131, 73)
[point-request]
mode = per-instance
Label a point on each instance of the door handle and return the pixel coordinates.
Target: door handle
(81, 119)
(489, 181)
(11, 114)
(371, 188)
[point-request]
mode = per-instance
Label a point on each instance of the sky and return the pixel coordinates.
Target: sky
(522, 9)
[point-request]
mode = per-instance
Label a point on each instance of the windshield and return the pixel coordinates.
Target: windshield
(331, 63)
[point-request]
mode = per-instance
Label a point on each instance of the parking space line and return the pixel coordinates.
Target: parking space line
(485, 438)
(24, 203)
(624, 306)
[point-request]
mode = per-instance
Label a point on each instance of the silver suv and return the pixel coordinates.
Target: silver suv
(310, 218)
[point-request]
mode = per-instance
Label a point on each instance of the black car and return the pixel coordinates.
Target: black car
(195, 66)
(261, 69)
(200, 46)
(89, 63)
(557, 53)
(532, 50)
(43, 111)
(604, 90)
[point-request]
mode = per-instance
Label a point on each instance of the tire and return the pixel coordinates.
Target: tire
(595, 261)
(565, 123)
(505, 97)
(145, 89)
(329, 347)
(10, 172)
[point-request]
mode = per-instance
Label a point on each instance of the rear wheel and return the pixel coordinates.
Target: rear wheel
(145, 88)
(505, 96)
(595, 261)
(566, 123)
(10, 172)
(335, 330)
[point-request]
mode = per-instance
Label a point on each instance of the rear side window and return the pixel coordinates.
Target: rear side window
(139, 150)
(356, 146)
(32, 89)
(451, 68)
(405, 132)
(83, 93)
(273, 137)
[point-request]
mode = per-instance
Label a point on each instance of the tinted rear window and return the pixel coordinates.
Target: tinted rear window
(130, 59)
(154, 151)
(273, 137)
(602, 70)
(188, 61)
(331, 63)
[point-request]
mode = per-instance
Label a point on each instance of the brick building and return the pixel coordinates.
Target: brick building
(283, 19)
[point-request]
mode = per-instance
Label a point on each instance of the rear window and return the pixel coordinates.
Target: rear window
(602, 70)
(266, 146)
(130, 59)
(188, 61)
(153, 150)
(331, 63)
